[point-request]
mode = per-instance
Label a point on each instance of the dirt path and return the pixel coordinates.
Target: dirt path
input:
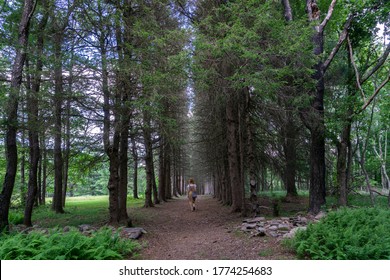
(175, 232)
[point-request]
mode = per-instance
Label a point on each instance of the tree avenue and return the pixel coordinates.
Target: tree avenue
(130, 98)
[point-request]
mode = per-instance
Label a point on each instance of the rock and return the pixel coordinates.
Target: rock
(259, 233)
(273, 227)
(66, 229)
(303, 220)
(284, 227)
(293, 232)
(254, 220)
(84, 228)
(261, 229)
(272, 233)
(133, 233)
(249, 226)
(320, 215)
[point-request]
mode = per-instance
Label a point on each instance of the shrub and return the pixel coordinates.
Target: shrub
(347, 234)
(72, 245)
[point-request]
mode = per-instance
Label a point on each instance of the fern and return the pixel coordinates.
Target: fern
(72, 245)
(346, 234)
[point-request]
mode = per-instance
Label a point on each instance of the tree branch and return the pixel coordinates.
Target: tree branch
(328, 16)
(355, 68)
(342, 38)
(377, 90)
(380, 62)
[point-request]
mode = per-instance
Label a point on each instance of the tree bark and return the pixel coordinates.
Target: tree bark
(124, 147)
(291, 155)
(148, 161)
(161, 175)
(66, 150)
(33, 124)
(233, 157)
(135, 166)
(12, 113)
(58, 100)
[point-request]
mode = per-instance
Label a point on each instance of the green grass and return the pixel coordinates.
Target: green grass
(92, 210)
(359, 200)
(266, 252)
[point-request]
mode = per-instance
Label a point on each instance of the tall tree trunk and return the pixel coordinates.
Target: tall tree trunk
(123, 173)
(66, 150)
(314, 117)
(290, 132)
(161, 174)
(134, 153)
(167, 168)
(343, 151)
(362, 157)
(253, 182)
(34, 127)
(44, 167)
(12, 113)
(233, 157)
(113, 181)
(148, 161)
(67, 127)
(58, 100)
(155, 191)
(23, 161)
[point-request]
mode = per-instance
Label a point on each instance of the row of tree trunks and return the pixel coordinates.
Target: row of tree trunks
(12, 112)
(33, 124)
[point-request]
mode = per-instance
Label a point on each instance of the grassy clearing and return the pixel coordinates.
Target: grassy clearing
(92, 210)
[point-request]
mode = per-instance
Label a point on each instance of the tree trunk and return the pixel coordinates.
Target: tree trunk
(58, 99)
(23, 162)
(12, 113)
(314, 118)
(34, 127)
(161, 175)
(233, 157)
(123, 173)
(342, 163)
(135, 160)
(67, 149)
(148, 161)
(167, 168)
(290, 154)
(44, 168)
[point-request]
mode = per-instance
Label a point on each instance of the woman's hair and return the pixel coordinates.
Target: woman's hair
(191, 181)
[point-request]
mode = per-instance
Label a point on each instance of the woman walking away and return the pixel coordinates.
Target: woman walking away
(191, 192)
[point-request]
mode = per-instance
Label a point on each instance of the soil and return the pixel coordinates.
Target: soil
(211, 232)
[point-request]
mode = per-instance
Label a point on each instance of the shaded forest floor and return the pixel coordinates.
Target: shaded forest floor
(211, 232)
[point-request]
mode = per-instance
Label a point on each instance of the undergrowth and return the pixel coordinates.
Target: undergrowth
(346, 234)
(72, 245)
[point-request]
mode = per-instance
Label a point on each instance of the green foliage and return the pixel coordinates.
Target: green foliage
(72, 245)
(347, 234)
(15, 217)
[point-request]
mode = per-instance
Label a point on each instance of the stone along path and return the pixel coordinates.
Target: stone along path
(211, 232)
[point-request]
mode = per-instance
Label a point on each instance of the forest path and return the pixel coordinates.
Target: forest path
(210, 232)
